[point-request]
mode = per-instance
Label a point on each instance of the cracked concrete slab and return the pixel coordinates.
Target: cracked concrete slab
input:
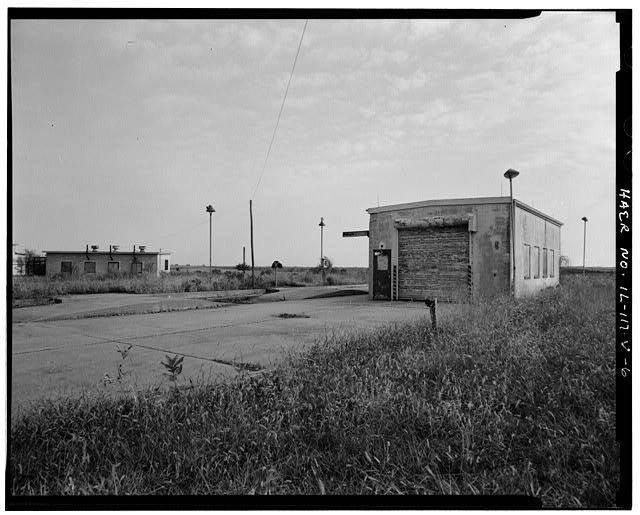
(68, 357)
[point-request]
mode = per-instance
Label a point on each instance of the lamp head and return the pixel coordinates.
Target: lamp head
(584, 219)
(511, 173)
(210, 209)
(321, 224)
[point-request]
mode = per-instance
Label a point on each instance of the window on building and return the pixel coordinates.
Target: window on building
(166, 264)
(89, 267)
(66, 267)
(383, 262)
(136, 268)
(545, 262)
(536, 262)
(113, 267)
(527, 261)
(552, 263)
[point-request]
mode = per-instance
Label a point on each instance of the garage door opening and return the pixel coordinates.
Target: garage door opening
(433, 262)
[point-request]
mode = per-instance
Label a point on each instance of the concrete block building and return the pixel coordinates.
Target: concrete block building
(94, 262)
(461, 249)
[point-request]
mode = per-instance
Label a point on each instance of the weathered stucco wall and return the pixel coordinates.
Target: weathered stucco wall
(534, 231)
(149, 262)
(489, 244)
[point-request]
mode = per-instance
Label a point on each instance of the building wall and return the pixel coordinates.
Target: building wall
(18, 263)
(489, 243)
(164, 263)
(150, 262)
(535, 231)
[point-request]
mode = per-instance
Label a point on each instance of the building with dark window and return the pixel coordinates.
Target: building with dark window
(93, 262)
(461, 249)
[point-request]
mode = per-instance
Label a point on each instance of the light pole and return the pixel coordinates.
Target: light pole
(210, 210)
(322, 224)
(510, 174)
(584, 244)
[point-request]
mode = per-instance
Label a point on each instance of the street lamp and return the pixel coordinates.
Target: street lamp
(511, 174)
(322, 224)
(584, 244)
(210, 210)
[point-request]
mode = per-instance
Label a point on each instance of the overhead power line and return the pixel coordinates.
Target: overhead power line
(273, 137)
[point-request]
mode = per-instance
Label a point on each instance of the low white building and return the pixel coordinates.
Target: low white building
(94, 262)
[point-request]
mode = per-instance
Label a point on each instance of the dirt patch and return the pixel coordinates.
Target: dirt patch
(292, 315)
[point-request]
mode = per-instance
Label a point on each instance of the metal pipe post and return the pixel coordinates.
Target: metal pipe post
(584, 244)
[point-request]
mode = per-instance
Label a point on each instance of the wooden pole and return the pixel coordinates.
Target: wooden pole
(434, 309)
(253, 278)
(432, 304)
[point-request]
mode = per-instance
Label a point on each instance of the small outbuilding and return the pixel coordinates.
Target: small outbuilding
(460, 249)
(94, 262)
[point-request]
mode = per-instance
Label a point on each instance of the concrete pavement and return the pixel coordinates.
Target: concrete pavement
(68, 356)
(115, 304)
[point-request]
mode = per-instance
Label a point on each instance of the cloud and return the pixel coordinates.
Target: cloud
(344, 54)
(415, 80)
(379, 57)
(419, 30)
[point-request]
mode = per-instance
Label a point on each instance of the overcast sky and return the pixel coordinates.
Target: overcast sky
(123, 131)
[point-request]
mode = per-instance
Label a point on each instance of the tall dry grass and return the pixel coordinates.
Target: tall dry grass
(509, 397)
(46, 287)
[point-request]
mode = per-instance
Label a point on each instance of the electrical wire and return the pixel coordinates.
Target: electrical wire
(273, 137)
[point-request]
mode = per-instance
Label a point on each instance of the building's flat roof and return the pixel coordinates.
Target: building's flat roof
(106, 252)
(460, 202)
(534, 211)
(440, 202)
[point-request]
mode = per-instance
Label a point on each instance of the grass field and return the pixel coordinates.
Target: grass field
(226, 279)
(510, 397)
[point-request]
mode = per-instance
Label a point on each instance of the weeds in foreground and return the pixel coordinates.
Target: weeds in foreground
(509, 398)
(173, 367)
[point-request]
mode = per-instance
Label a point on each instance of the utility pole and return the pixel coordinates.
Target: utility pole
(584, 244)
(322, 224)
(210, 210)
(253, 278)
(244, 264)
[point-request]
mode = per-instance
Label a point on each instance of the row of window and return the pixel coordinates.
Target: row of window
(548, 262)
(90, 267)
